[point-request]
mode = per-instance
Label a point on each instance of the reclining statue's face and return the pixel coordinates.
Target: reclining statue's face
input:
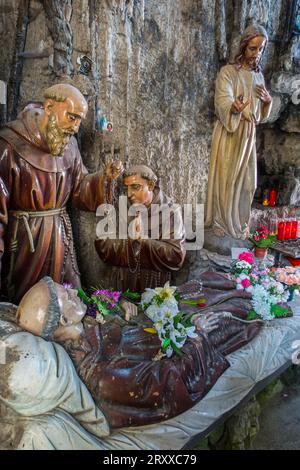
(64, 119)
(72, 312)
(139, 190)
(54, 313)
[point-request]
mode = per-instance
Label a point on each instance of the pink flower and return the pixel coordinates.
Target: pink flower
(256, 238)
(100, 292)
(246, 283)
(246, 256)
(107, 295)
(115, 296)
(262, 229)
(263, 236)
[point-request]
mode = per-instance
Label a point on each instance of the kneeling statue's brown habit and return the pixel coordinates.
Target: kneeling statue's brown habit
(152, 252)
(118, 360)
(40, 172)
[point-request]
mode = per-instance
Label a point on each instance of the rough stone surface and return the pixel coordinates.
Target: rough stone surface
(290, 122)
(276, 157)
(239, 430)
(8, 21)
(223, 244)
(279, 422)
(252, 427)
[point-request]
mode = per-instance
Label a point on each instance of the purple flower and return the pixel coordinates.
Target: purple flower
(115, 296)
(100, 292)
(91, 310)
(67, 285)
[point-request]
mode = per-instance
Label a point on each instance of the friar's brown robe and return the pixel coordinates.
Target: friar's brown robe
(31, 179)
(117, 363)
(137, 264)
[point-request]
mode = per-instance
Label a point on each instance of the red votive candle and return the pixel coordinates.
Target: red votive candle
(288, 229)
(281, 230)
(272, 197)
(294, 229)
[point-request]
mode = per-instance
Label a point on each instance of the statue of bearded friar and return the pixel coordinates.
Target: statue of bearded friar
(40, 172)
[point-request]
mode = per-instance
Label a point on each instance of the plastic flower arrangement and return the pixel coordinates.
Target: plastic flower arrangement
(161, 306)
(290, 277)
(103, 302)
(262, 237)
(100, 303)
(268, 293)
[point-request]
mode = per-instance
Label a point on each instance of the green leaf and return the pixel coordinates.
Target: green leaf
(86, 299)
(266, 243)
(102, 307)
(176, 349)
(252, 315)
(177, 318)
(279, 311)
(180, 339)
(131, 295)
(166, 344)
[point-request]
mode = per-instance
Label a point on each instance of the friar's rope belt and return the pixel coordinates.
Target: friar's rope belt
(25, 216)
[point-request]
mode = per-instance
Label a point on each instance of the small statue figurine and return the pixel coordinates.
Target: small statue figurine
(40, 172)
(109, 126)
(241, 102)
(102, 123)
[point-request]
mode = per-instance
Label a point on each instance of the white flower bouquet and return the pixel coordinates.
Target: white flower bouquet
(161, 306)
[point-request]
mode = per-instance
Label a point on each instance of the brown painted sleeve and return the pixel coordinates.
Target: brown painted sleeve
(6, 155)
(167, 253)
(160, 255)
(114, 252)
(89, 190)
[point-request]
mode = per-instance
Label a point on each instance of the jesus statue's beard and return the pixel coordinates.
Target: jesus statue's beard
(252, 62)
(57, 139)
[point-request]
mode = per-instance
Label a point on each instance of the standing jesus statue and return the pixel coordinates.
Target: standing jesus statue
(241, 102)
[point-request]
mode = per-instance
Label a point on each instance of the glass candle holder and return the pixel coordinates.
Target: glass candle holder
(272, 197)
(294, 229)
(281, 230)
(298, 229)
(288, 229)
(266, 200)
(273, 226)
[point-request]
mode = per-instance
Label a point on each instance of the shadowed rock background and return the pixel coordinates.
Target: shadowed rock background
(153, 74)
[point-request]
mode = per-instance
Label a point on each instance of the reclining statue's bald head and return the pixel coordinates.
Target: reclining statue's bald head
(51, 311)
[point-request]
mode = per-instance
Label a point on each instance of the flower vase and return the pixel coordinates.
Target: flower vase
(260, 252)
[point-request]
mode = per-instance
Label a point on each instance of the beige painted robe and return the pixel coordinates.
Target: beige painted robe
(232, 175)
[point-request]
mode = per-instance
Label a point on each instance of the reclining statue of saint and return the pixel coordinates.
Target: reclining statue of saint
(118, 361)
